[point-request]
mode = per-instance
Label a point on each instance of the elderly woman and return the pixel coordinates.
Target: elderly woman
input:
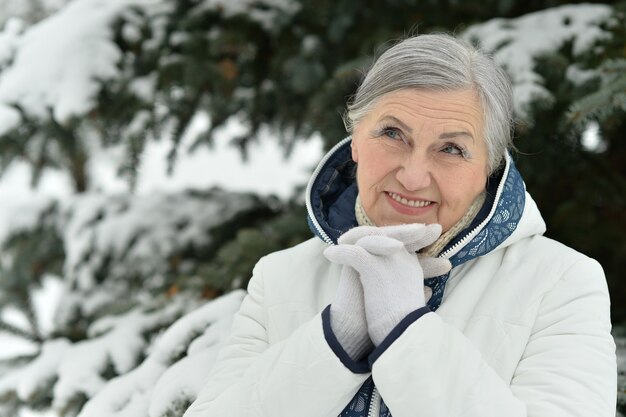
(429, 289)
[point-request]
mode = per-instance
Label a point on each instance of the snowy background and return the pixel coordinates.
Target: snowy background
(267, 171)
(54, 69)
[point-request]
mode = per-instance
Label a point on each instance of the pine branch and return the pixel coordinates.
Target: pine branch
(16, 331)
(609, 100)
(188, 109)
(33, 320)
(129, 168)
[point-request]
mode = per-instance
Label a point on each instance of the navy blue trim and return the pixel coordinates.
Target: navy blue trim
(396, 332)
(508, 212)
(333, 194)
(437, 285)
(360, 403)
(491, 190)
(360, 367)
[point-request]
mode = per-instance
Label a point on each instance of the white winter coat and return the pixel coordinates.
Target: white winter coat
(523, 330)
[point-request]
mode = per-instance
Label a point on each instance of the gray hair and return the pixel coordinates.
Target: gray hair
(442, 62)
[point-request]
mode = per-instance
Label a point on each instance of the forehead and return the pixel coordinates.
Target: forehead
(461, 107)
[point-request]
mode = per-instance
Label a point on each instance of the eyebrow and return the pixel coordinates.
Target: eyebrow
(446, 135)
(452, 135)
(398, 122)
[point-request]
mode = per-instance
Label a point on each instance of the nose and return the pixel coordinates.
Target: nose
(415, 172)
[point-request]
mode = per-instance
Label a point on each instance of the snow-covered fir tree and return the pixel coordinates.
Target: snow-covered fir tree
(150, 282)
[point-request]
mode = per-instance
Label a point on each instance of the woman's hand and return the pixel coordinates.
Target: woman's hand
(347, 311)
(390, 273)
(347, 315)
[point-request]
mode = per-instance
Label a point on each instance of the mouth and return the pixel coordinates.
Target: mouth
(406, 202)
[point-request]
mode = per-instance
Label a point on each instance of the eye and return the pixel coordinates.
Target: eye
(391, 132)
(453, 149)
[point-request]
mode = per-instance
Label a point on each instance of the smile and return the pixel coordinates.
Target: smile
(409, 203)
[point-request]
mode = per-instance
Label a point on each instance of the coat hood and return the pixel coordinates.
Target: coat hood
(507, 215)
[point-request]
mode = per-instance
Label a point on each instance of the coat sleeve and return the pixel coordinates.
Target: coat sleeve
(300, 375)
(568, 367)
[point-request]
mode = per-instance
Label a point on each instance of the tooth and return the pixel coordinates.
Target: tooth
(410, 203)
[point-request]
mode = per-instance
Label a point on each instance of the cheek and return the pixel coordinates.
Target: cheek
(459, 191)
(365, 179)
(355, 152)
(373, 167)
(371, 175)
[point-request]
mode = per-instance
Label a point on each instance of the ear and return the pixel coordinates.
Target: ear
(355, 151)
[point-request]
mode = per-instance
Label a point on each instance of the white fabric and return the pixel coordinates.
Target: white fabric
(522, 332)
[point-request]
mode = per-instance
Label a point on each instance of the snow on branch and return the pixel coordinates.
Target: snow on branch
(78, 370)
(59, 65)
(116, 302)
(162, 382)
(9, 117)
(515, 43)
(263, 12)
(120, 346)
(61, 62)
(26, 381)
(136, 235)
(9, 38)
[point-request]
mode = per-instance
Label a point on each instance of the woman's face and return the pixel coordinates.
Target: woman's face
(421, 157)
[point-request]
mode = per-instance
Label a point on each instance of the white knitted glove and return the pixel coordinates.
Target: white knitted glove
(391, 275)
(347, 315)
(414, 237)
(347, 311)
